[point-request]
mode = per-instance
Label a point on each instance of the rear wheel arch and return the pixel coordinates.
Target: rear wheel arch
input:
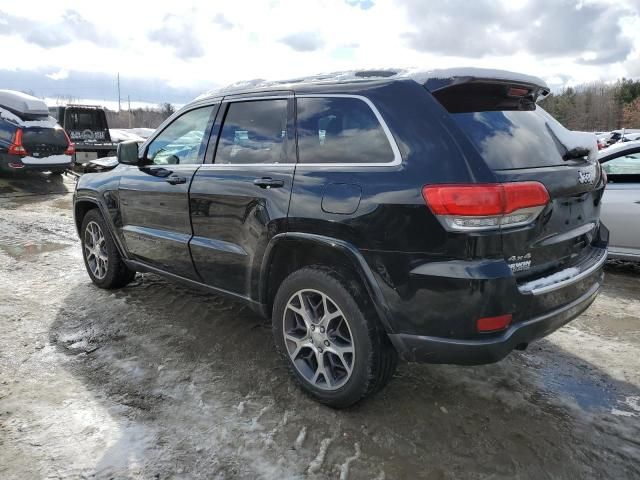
(293, 251)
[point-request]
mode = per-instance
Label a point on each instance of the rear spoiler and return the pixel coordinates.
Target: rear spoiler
(477, 90)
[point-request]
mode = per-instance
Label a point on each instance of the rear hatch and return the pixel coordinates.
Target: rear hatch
(86, 125)
(520, 142)
(40, 142)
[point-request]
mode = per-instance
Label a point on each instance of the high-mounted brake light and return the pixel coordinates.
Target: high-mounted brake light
(486, 206)
(517, 92)
(16, 147)
(71, 148)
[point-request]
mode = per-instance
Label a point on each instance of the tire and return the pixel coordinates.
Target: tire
(102, 260)
(352, 377)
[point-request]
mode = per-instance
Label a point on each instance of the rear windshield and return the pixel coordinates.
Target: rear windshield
(511, 139)
(33, 136)
(79, 119)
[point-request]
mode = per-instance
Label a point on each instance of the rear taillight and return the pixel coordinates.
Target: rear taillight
(16, 147)
(486, 206)
(71, 148)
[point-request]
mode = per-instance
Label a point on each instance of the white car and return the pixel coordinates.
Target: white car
(621, 201)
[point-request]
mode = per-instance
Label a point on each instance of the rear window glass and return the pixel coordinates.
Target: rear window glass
(6, 131)
(340, 130)
(77, 119)
(511, 139)
(33, 136)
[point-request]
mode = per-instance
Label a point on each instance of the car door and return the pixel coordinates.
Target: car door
(621, 201)
(240, 196)
(154, 196)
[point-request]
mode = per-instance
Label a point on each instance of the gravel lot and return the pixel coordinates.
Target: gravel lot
(156, 381)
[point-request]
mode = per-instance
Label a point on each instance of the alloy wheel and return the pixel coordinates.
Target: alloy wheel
(95, 250)
(318, 339)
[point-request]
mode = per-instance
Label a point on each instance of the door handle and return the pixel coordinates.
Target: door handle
(268, 182)
(175, 180)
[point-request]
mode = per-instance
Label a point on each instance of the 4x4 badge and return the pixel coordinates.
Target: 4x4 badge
(519, 263)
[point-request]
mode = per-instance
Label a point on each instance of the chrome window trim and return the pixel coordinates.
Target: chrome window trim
(397, 157)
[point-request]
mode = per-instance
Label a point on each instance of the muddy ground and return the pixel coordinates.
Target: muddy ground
(156, 381)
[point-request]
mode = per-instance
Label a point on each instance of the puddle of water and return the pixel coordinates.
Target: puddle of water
(20, 250)
(587, 394)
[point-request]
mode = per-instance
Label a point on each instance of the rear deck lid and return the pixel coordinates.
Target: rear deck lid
(520, 142)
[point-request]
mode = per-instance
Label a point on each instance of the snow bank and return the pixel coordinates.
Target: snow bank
(122, 135)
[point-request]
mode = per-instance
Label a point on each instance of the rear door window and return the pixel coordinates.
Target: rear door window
(511, 139)
(340, 130)
(254, 132)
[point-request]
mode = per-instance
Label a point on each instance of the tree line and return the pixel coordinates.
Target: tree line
(597, 106)
(139, 117)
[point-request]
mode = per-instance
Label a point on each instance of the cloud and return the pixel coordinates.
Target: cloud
(177, 32)
(222, 22)
(90, 85)
(363, 4)
(59, 75)
(590, 32)
(72, 26)
(304, 41)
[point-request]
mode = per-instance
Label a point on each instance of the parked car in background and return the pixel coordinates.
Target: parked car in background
(87, 127)
(621, 201)
(631, 137)
(432, 216)
(29, 138)
(617, 135)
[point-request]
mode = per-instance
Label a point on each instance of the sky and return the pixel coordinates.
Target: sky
(171, 51)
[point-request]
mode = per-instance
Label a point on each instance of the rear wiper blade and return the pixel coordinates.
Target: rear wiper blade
(574, 153)
(578, 152)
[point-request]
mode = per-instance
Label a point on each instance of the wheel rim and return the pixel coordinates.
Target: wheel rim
(95, 250)
(318, 339)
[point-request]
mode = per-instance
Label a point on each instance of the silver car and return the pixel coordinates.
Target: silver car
(621, 202)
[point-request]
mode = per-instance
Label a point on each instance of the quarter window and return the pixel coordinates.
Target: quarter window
(180, 142)
(340, 130)
(254, 132)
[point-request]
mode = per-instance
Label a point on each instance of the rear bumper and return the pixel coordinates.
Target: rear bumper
(14, 163)
(426, 349)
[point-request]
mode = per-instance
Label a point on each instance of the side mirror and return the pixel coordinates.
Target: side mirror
(127, 153)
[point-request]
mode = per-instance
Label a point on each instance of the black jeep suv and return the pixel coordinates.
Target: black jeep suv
(436, 217)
